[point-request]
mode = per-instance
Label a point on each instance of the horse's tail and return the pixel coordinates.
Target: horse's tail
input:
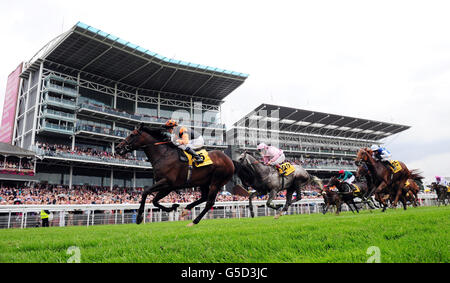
(314, 180)
(416, 175)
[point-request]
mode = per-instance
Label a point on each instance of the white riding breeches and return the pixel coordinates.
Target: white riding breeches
(194, 143)
(350, 180)
(280, 159)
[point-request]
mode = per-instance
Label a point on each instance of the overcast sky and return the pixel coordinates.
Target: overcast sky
(380, 60)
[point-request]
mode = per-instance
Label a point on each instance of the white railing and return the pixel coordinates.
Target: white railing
(23, 216)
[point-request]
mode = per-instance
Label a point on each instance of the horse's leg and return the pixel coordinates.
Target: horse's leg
(202, 199)
(157, 186)
(250, 205)
(354, 204)
(348, 203)
(269, 203)
(289, 194)
(213, 190)
(160, 195)
(401, 184)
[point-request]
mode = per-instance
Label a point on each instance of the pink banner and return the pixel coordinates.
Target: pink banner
(9, 105)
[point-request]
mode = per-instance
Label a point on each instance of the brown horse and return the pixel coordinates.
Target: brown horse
(392, 183)
(346, 196)
(442, 193)
(172, 174)
(330, 198)
(409, 192)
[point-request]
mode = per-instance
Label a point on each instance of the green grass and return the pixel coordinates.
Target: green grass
(416, 235)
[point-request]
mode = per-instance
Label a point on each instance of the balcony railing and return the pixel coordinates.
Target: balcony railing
(100, 130)
(59, 128)
(103, 159)
(61, 89)
(58, 114)
(61, 102)
(144, 118)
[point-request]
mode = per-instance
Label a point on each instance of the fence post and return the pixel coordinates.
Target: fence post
(93, 214)
(25, 220)
(145, 210)
(9, 219)
(87, 221)
(123, 216)
(115, 216)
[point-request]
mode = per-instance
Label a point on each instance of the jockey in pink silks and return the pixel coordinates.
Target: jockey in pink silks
(271, 155)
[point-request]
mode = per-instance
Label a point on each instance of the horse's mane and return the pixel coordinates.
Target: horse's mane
(157, 133)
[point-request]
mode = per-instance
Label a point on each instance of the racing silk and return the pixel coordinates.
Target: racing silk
(181, 135)
(443, 182)
(271, 154)
(382, 153)
(344, 177)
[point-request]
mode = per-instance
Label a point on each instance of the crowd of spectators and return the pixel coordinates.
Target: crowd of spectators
(55, 149)
(41, 194)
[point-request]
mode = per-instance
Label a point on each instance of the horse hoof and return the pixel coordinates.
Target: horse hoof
(190, 224)
(139, 219)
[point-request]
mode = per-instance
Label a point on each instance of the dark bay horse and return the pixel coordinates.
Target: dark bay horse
(346, 196)
(330, 198)
(171, 174)
(392, 182)
(441, 192)
(266, 180)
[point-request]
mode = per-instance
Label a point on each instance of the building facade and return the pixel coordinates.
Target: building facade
(85, 90)
(322, 143)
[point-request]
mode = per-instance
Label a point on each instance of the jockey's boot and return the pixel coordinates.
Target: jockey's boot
(197, 158)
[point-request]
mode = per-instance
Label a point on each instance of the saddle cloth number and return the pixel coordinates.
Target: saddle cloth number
(287, 168)
(396, 165)
(204, 155)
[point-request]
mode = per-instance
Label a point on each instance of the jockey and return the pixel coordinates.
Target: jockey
(346, 177)
(271, 155)
(441, 181)
(382, 154)
(180, 137)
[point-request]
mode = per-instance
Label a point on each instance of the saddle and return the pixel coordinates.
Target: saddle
(286, 169)
(395, 166)
(187, 158)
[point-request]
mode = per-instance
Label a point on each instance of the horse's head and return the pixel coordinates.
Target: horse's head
(362, 170)
(245, 158)
(138, 138)
(333, 182)
(363, 155)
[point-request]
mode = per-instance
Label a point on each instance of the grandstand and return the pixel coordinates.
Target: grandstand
(322, 143)
(86, 89)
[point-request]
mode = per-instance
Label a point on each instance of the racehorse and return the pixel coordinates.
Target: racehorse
(409, 191)
(349, 196)
(266, 180)
(172, 174)
(442, 193)
(330, 198)
(393, 182)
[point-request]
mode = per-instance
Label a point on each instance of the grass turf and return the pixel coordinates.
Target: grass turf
(416, 235)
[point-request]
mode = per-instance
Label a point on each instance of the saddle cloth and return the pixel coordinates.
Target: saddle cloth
(448, 189)
(396, 165)
(203, 154)
(287, 168)
(357, 189)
